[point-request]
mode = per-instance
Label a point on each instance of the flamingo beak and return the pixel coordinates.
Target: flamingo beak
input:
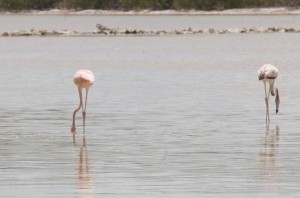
(73, 133)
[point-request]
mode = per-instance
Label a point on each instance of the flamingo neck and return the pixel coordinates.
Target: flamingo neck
(277, 100)
(272, 87)
(80, 105)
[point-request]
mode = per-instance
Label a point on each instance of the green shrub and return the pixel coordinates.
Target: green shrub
(143, 4)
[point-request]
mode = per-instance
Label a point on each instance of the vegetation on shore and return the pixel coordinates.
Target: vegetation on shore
(16, 5)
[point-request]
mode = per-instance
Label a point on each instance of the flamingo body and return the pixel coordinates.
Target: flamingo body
(84, 79)
(267, 74)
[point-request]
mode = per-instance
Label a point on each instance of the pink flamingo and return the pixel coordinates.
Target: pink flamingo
(84, 79)
(267, 74)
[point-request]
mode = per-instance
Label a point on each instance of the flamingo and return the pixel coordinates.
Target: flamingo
(267, 74)
(84, 79)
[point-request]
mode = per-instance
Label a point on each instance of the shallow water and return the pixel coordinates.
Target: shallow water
(172, 116)
(88, 23)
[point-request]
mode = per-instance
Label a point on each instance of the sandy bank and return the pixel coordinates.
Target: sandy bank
(254, 11)
(105, 31)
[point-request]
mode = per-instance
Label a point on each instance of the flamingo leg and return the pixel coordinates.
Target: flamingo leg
(84, 110)
(266, 101)
(267, 106)
(73, 129)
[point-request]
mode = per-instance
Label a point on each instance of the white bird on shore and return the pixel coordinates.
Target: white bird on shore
(267, 74)
(84, 79)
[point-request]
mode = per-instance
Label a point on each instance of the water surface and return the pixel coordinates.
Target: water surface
(172, 116)
(169, 22)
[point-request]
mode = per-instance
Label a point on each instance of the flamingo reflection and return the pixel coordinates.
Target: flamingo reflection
(85, 186)
(269, 157)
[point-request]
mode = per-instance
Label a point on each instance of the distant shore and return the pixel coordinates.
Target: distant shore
(104, 31)
(253, 11)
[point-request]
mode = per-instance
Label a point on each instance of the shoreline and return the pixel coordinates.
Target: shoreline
(105, 31)
(246, 11)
